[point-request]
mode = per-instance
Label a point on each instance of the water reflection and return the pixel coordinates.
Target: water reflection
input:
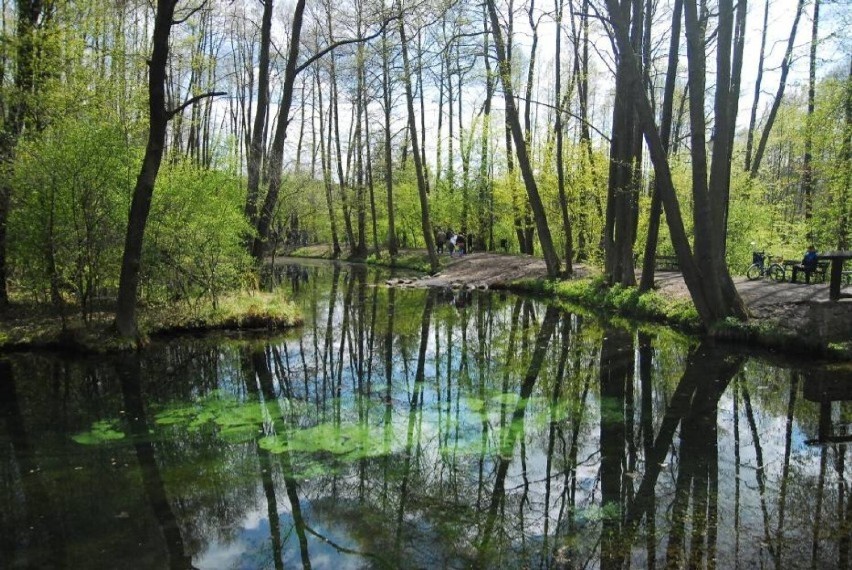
(404, 428)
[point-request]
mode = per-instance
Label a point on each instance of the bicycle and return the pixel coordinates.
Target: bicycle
(758, 267)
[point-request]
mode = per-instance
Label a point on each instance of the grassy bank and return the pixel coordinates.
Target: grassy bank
(626, 301)
(25, 326)
(593, 293)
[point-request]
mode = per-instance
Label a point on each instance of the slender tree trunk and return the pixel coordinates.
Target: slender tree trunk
(752, 123)
(581, 70)
(846, 168)
(125, 316)
(276, 153)
(779, 95)
(325, 159)
(807, 166)
(341, 178)
(420, 88)
(550, 257)
(560, 152)
(386, 99)
(485, 216)
(415, 148)
(360, 104)
(647, 281)
(370, 183)
(255, 150)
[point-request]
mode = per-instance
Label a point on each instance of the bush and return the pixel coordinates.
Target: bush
(69, 211)
(195, 243)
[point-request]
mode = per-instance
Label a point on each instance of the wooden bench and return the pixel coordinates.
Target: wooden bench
(817, 275)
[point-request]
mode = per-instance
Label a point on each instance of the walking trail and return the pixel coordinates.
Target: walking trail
(795, 308)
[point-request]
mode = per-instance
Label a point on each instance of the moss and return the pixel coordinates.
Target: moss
(594, 293)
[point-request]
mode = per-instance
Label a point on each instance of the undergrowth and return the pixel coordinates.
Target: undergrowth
(628, 301)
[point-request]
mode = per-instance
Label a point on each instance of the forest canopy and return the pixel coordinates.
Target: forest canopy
(603, 132)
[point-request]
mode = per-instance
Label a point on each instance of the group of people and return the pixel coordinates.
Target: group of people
(455, 243)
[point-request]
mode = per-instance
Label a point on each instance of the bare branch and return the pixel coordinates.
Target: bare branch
(195, 99)
(341, 43)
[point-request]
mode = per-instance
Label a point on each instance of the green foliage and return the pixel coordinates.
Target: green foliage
(628, 301)
(102, 432)
(70, 208)
(235, 311)
(194, 246)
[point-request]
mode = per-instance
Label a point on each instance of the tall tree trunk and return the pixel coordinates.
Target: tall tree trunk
(360, 104)
(255, 150)
(649, 260)
(550, 257)
(485, 216)
(325, 159)
(560, 152)
(779, 95)
(807, 166)
(371, 185)
(276, 153)
(752, 123)
(386, 100)
(581, 70)
(125, 316)
(625, 149)
(846, 167)
(425, 221)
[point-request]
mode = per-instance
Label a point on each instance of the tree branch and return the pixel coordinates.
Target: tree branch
(195, 99)
(341, 43)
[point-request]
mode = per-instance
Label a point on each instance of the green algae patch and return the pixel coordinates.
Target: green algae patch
(347, 441)
(103, 431)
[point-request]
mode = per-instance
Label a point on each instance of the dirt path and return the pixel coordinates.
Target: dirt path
(483, 270)
(796, 308)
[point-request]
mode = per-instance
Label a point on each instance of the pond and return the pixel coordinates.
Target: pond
(404, 428)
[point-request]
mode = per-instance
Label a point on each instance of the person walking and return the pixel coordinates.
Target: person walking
(440, 238)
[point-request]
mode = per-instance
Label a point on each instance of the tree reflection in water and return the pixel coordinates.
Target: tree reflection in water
(403, 428)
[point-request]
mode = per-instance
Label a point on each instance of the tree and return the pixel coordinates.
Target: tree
(34, 21)
(548, 251)
(256, 147)
(425, 220)
(158, 117)
(560, 151)
(779, 95)
(649, 259)
(705, 272)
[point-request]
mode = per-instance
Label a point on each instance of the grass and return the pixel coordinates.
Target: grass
(628, 301)
(25, 326)
(251, 310)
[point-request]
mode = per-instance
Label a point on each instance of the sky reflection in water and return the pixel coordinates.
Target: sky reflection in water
(404, 428)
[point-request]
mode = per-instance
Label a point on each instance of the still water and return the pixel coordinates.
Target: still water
(423, 429)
